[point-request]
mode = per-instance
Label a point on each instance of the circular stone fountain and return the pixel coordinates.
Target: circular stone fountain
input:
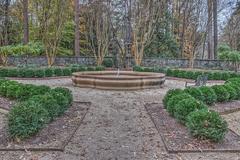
(118, 80)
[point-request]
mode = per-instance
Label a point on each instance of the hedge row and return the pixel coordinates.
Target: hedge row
(189, 106)
(212, 75)
(45, 72)
(37, 106)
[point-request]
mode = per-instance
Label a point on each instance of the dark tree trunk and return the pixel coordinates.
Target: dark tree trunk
(210, 30)
(6, 22)
(215, 23)
(77, 29)
(26, 22)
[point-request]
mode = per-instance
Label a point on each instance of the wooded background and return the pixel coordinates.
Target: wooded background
(191, 29)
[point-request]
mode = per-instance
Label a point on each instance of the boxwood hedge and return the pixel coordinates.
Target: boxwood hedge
(45, 72)
(37, 105)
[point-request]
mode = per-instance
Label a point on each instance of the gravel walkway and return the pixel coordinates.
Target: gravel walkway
(117, 127)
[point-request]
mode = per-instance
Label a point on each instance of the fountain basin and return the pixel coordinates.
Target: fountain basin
(118, 80)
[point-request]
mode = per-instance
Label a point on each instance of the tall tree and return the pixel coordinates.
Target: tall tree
(215, 24)
(25, 22)
(6, 21)
(210, 30)
(77, 28)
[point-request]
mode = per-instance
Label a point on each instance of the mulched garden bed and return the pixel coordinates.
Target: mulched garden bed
(226, 108)
(177, 138)
(54, 137)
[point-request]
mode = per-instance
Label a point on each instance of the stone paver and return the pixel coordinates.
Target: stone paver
(117, 127)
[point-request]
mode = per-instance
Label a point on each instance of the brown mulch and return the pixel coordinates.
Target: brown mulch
(177, 138)
(6, 103)
(55, 136)
(226, 108)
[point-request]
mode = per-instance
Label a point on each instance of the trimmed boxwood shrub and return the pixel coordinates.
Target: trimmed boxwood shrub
(221, 92)
(11, 91)
(209, 96)
(169, 94)
(236, 88)
(62, 101)
(174, 100)
(3, 72)
(48, 102)
(108, 62)
(206, 124)
(12, 72)
(29, 73)
(26, 119)
(67, 71)
(49, 72)
(99, 68)
(66, 92)
(184, 107)
(39, 73)
(232, 91)
(58, 71)
(195, 92)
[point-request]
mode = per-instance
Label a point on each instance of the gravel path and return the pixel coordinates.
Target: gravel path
(117, 127)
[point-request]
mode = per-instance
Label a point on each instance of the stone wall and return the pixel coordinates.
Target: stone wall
(148, 62)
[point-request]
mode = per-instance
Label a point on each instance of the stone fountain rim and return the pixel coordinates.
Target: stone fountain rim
(99, 75)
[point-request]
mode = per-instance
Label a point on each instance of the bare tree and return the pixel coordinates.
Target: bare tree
(77, 28)
(145, 14)
(98, 31)
(25, 22)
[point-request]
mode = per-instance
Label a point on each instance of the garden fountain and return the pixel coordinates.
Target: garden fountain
(118, 80)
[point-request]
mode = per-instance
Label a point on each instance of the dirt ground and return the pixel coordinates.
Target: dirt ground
(117, 127)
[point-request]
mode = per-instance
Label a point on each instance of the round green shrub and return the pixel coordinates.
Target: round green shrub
(3, 72)
(12, 72)
(184, 107)
(29, 73)
(66, 92)
(195, 92)
(48, 102)
(67, 71)
(4, 87)
(62, 101)
(232, 91)
(38, 90)
(169, 72)
(174, 100)
(148, 69)
(25, 91)
(11, 91)
(39, 73)
(138, 68)
(169, 94)
(209, 96)
(82, 68)
(221, 92)
(49, 72)
(206, 124)
(58, 71)
(108, 62)
(90, 68)
(26, 119)
(100, 68)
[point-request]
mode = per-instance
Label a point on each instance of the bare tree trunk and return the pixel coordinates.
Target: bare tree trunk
(6, 21)
(210, 30)
(215, 22)
(77, 29)
(26, 23)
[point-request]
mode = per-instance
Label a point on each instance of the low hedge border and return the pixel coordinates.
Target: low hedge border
(189, 106)
(212, 75)
(46, 72)
(37, 106)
